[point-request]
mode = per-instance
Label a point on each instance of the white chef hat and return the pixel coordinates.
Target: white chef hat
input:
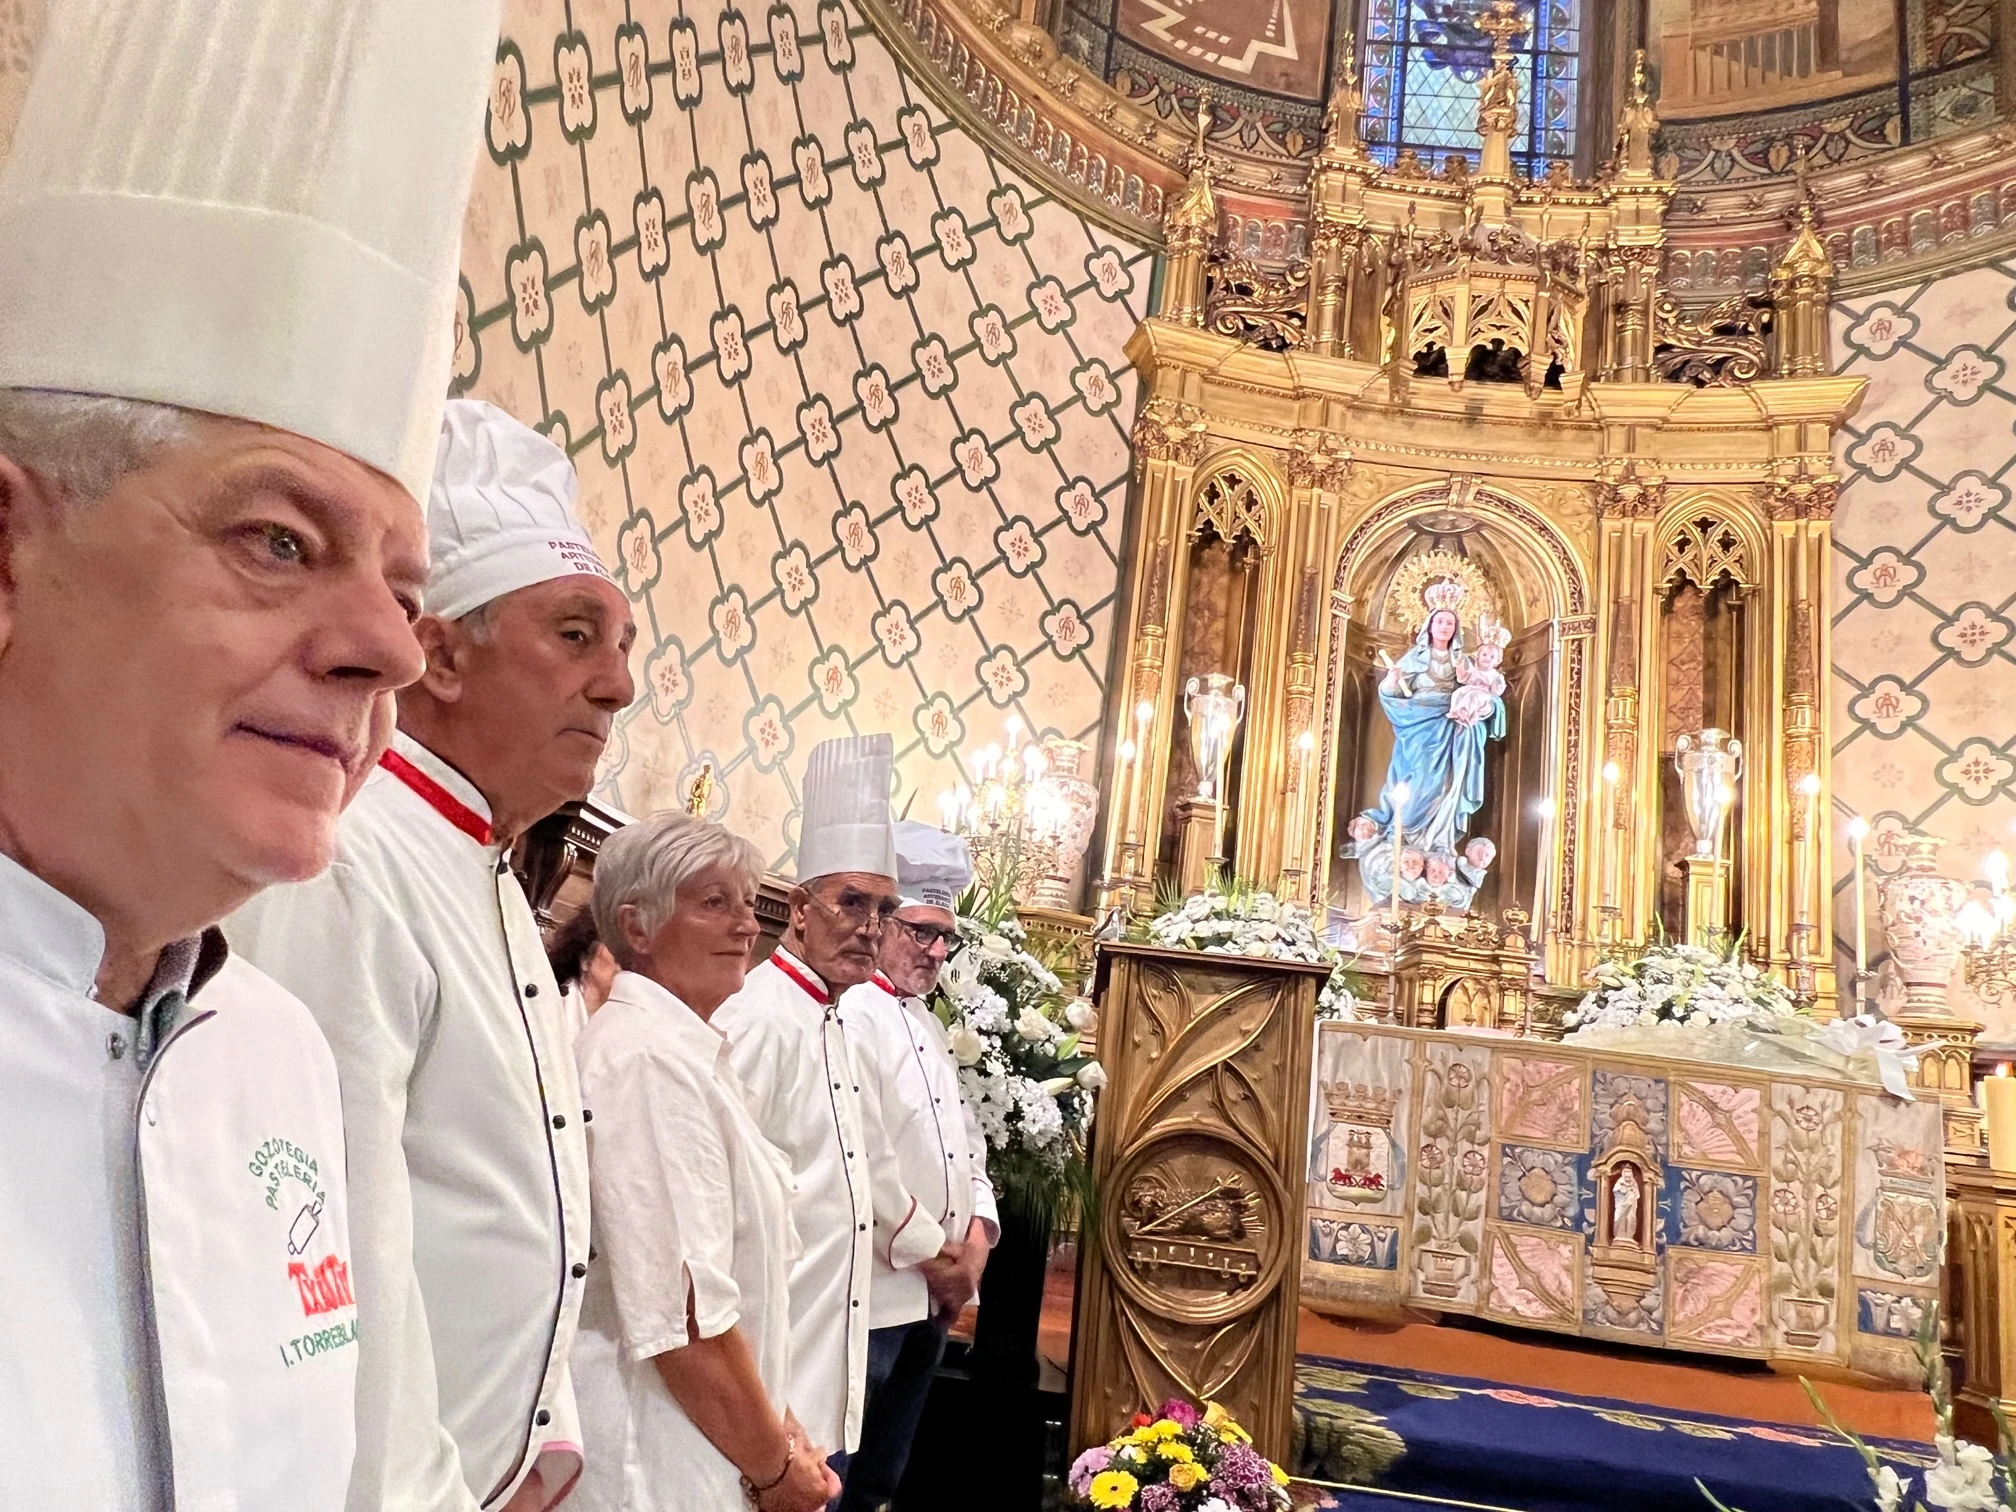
(845, 825)
(932, 867)
(251, 208)
(501, 516)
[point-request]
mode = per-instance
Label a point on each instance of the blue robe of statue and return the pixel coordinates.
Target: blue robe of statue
(1440, 760)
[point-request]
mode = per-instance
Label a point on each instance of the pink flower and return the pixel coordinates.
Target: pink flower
(1181, 1413)
(1087, 1465)
(1519, 1398)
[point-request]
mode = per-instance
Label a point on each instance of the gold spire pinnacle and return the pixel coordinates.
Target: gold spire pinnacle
(1194, 157)
(1347, 104)
(1501, 24)
(1807, 256)
(1636, 123)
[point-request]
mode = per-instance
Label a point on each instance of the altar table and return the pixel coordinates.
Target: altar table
(1648, 1200)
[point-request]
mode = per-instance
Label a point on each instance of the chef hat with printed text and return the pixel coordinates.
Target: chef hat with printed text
(251, 208)
(501, 516)
(845, 822)
(932, 867)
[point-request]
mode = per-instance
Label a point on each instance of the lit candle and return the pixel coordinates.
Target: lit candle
(1401, 793)
(1858, 831)
(948, 806)
(1997, 866)
(2000, 1106)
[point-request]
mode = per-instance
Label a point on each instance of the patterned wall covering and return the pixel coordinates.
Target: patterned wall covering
(847, 398)
(1925, 542)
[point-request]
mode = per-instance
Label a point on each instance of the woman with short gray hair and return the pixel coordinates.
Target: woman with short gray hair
(684, 1352)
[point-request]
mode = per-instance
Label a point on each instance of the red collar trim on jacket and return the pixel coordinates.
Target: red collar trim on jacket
(802, 975)
(886, 985)
(438, 798)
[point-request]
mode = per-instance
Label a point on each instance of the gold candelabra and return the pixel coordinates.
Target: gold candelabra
(1988, 933)
(1027, 818)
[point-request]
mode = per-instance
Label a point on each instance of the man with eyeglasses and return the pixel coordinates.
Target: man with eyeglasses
(939, 1151)
(813, 1100)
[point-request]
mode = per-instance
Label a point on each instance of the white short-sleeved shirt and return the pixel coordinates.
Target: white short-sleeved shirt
(689, 1198)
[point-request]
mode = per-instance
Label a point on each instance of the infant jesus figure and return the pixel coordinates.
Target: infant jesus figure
(1483, 684)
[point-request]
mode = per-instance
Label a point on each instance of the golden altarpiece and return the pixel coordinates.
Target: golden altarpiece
(1502, 580)
(1476, 396)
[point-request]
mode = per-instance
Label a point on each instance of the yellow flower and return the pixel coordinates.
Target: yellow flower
(1186, 1476)
(1155, 1432)
(1174, 1451)
(1280, 1475)
(1113, 1489)
(1229, 1432)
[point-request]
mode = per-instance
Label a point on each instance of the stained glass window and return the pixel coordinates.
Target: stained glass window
(1425, 58)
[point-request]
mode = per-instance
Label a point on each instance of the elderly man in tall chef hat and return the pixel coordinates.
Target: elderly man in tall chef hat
(940, 1153)
(787, 1044)
(420, 957)
(225, 323)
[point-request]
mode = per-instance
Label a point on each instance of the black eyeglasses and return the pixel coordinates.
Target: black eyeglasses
(927, 935)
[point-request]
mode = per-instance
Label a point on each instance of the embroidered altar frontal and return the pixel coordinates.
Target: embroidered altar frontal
(1675, 1203)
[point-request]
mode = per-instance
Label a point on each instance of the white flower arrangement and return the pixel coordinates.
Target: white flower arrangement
(1017, 1040)
(1965, 1477)
(1681, 987)
(1246, 921)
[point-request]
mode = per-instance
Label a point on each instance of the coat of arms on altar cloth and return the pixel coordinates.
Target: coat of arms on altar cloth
(1903, 1217)
(1359, 1161)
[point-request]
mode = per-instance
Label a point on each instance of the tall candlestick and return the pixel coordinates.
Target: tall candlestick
(1999, 1102)
(1401, 793)
(1546, 810)
(1858, 831)
(1126, 779)
(1613, 845)
(1299, 827)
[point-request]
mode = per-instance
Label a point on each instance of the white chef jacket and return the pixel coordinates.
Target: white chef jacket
(690, 1201)
(177, 1327)
(787, 1044)
(940, 1153)
(419, 956)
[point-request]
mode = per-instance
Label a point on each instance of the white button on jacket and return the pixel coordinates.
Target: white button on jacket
(420, 958)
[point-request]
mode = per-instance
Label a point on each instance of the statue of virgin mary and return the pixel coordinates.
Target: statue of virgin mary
(1444, 703)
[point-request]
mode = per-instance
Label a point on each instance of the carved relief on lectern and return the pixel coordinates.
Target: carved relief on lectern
(1191, 1287)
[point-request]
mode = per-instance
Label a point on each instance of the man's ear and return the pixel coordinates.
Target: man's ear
(795, 904)
(28, 507)
(445, 644)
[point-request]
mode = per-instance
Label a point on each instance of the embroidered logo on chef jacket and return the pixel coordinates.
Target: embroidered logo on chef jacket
(291, 1179)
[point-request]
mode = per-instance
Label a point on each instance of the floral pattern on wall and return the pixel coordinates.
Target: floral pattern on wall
(1924, 542)
(847, 397)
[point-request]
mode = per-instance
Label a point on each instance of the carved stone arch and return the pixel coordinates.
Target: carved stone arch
(1238, 494)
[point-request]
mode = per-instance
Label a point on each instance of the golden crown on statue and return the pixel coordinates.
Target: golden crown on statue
(1359, 1103)
(1446, 594)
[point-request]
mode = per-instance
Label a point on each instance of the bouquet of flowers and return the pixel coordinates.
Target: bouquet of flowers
(1235, 918)
(1022, 1067)
(1686, 986)
(1181, 1460)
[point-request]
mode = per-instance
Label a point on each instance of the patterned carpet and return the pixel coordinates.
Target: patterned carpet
(1414, 1440)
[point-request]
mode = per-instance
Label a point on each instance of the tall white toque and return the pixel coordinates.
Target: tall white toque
(932, 867)
(501, 516)
(845, 827)
(249, 207)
